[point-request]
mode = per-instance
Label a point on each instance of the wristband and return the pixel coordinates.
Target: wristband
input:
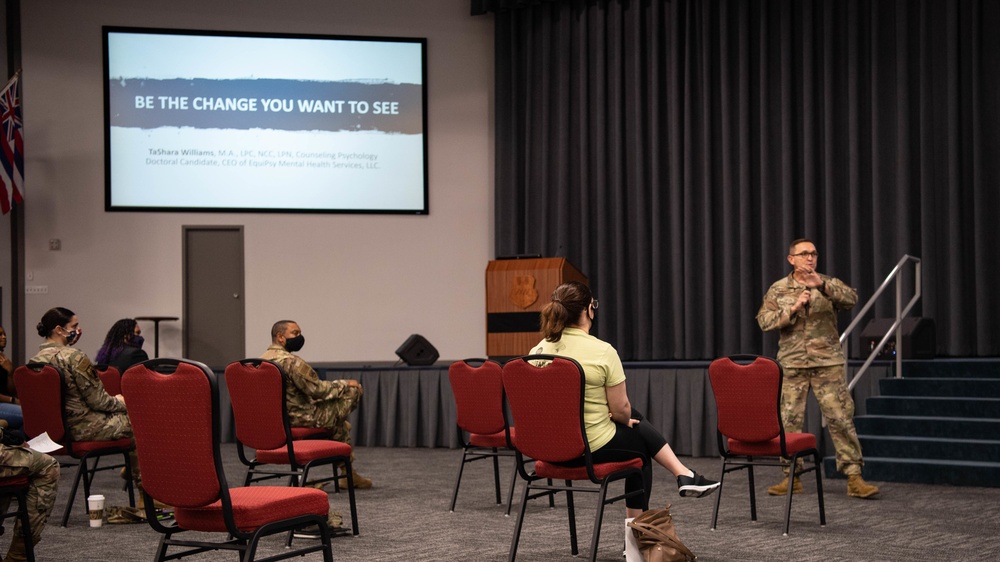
(822, 287)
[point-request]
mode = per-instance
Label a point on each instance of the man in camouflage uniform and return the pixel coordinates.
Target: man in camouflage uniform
(804, 306)
(313, 402)
(43, 478)
(91, 413)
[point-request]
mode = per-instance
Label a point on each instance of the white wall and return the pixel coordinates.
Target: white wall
(357, 284)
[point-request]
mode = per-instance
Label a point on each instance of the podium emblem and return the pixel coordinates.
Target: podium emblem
(522, 292)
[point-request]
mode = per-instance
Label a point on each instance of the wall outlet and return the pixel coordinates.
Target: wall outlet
(55, 244)
(36, 289)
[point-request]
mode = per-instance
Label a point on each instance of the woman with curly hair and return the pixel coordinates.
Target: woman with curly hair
(122, 346)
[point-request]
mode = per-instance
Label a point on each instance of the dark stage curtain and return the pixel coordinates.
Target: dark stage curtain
(671, 150)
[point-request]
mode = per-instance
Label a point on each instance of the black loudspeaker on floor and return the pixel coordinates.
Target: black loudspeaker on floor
(417, 351)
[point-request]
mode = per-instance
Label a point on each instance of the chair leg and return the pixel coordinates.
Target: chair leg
(510, 494)
(512, 555)
(572, 519)
(251, 549)
(128, 480)
(22, 514)
(161, 548)
(496, 474)
(793, 472)
(598, 519)
(82, 468)
(718, 496)
(788, 504)
(350, 495)
(458, 480)
(753, 492)
(246, 481)
(817, 462)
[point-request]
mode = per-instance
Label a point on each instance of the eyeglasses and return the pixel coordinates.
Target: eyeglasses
(594, 303)
(806, 255)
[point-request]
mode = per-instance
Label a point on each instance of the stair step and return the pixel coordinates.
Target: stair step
(953, 472)
(928, 426)
(941, 386)
(948, 406)
(930, 448)
(959, 368)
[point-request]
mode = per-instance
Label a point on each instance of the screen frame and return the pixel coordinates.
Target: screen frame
(108, 207)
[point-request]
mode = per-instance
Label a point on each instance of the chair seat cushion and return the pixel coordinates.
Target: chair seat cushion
(601, 470)
(255, 506)
(20, 481)
(310, 433)
(794, 442)
(81, 448)
(306, 451)
(498, 439)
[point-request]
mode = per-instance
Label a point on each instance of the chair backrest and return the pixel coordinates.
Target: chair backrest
(478, 395)
(40, 389)
(257, 391)
(547, 407)
(172, 406)
(747, 391)
(111, 378)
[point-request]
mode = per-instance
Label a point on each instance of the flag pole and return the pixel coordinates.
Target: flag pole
(13, 77)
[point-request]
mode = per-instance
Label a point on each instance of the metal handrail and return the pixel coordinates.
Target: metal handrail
(900, 314)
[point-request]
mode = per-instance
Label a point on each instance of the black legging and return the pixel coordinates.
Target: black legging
(642, 441)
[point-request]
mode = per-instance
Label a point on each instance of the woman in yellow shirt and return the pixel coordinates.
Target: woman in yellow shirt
(615, 431)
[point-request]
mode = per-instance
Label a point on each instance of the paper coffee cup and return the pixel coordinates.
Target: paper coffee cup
(95, 504)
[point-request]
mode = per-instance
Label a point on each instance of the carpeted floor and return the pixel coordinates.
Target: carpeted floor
(405, 517)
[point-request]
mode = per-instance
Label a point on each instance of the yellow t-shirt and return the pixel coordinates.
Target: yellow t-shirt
(602, 368)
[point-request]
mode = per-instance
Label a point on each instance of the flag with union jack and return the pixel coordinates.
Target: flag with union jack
(12, 151)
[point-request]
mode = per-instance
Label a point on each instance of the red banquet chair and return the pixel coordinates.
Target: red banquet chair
(111, 378)
(40, 389)
(17, 487)
(747, 392)
(173, 405)
(310, 433)
(479, 405)
(257, 390)
(547, 406)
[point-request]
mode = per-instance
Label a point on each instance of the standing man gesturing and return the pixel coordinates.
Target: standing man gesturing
(803, 307)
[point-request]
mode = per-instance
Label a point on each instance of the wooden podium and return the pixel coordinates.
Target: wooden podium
(516, 292)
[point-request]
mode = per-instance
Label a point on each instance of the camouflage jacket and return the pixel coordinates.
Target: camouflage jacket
(809, 338)
(86, 401)
(306, 387)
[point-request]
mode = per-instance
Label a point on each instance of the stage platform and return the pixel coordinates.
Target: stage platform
(413, 406)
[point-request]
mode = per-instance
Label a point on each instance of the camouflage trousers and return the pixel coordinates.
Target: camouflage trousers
(107, 428)
(836, 404)
(330, 415)
(43, 476)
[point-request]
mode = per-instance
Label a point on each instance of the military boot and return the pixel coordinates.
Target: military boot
(781, 488)
(858, 488)
(16, 552)
(360, 482)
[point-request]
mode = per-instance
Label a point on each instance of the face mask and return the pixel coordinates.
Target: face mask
(137, 341)
(72, 337)
(296, 343)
